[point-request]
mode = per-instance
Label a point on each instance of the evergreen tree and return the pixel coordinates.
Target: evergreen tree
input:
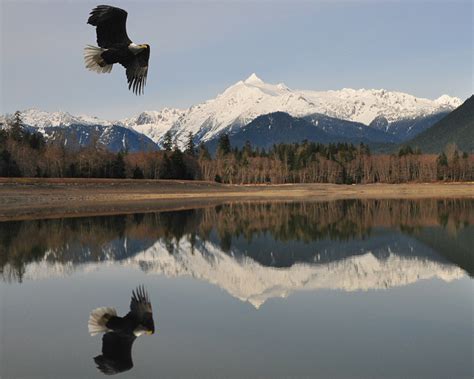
(118, 166)
(35, 140)
(442, 160)
(138, 173)
(16, 127)
(247, 149)
(178, 167)
(203, 152)
(190, 147)
(72, 171)
(165, 168)
(8, 166)
(223, 145)
(168, 141)
(407, 150)
(442, 165)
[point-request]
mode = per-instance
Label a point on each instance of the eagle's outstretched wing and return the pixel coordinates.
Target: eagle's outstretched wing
(137, 71)
(116, 353)
(140, 304)
(111, 25)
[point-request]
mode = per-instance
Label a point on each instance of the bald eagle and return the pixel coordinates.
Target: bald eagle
(121, 332)
(116, 47)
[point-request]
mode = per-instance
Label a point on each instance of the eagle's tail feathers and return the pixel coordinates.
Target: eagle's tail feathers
(94, 61)
(99, 318)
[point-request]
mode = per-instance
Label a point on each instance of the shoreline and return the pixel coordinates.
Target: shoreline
(34, 198)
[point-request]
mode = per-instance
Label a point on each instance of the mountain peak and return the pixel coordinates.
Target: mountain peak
(449, 101)
(253, 79)
(244, 101)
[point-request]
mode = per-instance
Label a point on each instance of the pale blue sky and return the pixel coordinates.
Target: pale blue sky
(198, 48)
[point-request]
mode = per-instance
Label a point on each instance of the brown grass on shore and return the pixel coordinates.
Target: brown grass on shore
(25, 198)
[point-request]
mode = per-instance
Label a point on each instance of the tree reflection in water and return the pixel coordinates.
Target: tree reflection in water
(270, 233)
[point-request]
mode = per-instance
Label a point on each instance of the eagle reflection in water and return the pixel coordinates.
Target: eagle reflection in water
(121, 332)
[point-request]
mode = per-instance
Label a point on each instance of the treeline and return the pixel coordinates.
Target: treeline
(341, 163)
(26, 154)
(23, 153)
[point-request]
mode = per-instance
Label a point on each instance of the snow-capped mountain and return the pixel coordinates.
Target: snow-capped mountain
(388, 111)
(248, 280)
(40, 119)
(245, 100)
(73, 131)
(154, 124)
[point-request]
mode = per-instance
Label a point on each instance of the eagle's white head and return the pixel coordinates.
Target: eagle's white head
(135, 49)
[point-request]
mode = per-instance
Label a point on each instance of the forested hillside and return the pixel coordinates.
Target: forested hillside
(27, 154)
(456, 128)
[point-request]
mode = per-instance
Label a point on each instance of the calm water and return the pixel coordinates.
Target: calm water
(333, 289)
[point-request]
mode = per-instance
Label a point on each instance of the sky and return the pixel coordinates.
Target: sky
(199, 48)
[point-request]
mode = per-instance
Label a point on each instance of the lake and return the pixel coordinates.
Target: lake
(340, 289)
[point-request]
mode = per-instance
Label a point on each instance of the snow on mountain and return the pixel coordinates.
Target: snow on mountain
(41, 119)
(245, 100)
(154, 124)
(83, 130)
(448, 101)
(250, 281)
(364, 105)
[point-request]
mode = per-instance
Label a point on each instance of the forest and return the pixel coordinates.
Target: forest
(27, 154)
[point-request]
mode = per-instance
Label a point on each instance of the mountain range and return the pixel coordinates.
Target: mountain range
(457, 127)
(252, 109)
(386, 264)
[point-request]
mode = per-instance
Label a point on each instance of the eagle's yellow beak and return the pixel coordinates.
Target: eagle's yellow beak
(149, 332)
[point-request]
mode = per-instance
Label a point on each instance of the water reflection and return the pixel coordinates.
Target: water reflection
(200, 262)
(256, 251)
(121, 332)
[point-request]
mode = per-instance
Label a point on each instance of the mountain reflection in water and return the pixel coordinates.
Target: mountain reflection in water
(256, 251)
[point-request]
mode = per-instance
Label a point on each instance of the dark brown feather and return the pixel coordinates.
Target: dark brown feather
(110, 25)
(137, 71)
(140, 303)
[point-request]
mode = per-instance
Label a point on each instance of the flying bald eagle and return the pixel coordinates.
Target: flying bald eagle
(116, 47)
(121, 332)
